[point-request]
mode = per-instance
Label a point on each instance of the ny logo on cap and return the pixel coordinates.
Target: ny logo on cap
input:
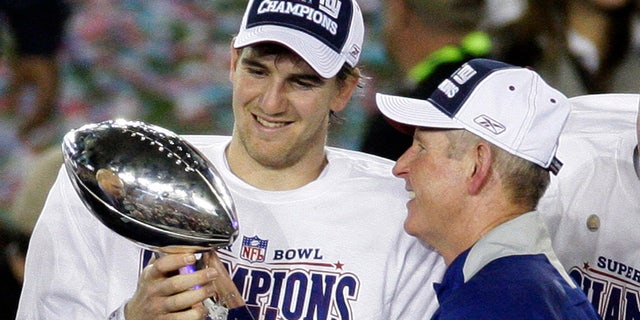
(331, 7)
(464, 73)
(450, 87)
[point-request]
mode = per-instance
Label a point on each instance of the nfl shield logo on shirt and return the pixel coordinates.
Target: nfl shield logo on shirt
(253, 249)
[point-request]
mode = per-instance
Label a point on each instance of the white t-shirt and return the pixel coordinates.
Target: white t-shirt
(598, 183)
(332, 249)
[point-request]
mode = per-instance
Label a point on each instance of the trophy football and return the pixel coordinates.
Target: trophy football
(152, 187)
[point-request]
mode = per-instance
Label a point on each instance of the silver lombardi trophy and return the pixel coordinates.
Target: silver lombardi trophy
(149, 185)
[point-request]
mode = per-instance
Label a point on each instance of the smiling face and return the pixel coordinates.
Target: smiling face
(437, 181)
(281, 108)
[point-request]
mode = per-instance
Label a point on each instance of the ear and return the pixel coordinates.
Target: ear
(233, 62)
(483, 160)
(345, 92)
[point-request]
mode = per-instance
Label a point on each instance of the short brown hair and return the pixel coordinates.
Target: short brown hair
(524, 180)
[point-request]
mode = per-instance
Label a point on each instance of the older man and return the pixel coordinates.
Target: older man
(482, 151)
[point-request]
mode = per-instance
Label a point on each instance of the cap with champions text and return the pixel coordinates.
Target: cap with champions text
(508, 106)
(325, 33)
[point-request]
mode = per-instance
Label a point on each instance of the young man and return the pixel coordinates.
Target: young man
(320, 228)
(484, 143)
(592, 207)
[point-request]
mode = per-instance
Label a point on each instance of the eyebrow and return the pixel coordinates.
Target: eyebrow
(302, 76)
(313, 78)
(252, 62)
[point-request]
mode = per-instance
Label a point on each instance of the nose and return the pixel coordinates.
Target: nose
(273, 99)
(401, 168)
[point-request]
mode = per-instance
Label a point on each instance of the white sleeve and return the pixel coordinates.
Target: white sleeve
(64, 275)
(418, 267)
(550, 206)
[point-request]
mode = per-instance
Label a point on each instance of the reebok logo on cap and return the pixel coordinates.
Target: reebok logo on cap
(493, 126)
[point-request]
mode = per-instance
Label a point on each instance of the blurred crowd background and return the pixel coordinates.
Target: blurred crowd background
(166, 62)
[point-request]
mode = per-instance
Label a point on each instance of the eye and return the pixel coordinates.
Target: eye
(306, 81)
(258, 72)
(303, 85)
(419, 147)
(416, 149)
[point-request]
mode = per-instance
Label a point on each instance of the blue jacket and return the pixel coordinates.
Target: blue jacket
(511, 273)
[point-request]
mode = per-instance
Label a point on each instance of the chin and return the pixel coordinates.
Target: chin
(408, 228)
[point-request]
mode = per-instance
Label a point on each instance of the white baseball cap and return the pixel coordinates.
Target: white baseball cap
(509, 106)
(325, 33)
